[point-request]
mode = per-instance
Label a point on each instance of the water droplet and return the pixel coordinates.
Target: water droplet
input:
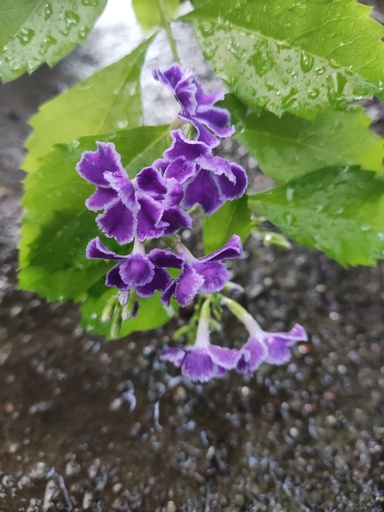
(48, 11)
(48, 42)
(306, 62)
(320, 71)
(25, 35)
(365, 227)
(262, 101)
(90, 3)
(290, 192)
(313, 93)
(123, 123)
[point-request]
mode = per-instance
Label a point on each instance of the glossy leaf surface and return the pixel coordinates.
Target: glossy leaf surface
(233, 218)
(108, 100)
(34, 32)
(299, 57)
(338, 211)
(289, 147)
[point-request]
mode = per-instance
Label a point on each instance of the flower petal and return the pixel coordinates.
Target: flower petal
(203, 189)
(188, 284)
(215, 275)
(232, 249)
(100, 199)
(173, 355)
(225, 357)
(94, 164)
(232, 189)
(198, 366)
(161, 280)
(97, 250)
(137, 270)
(252, 355)
(117, 222)
(165, 259)
(114, 279)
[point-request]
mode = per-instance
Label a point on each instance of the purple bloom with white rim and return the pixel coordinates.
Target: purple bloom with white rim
(100, 168)
(146, 207)
(207, 180)
(197, 106)
(268, 347)
(202, 361)
(144, 272)
(203, 275)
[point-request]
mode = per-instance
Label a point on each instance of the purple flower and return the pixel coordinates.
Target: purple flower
(197, 106)
(144, 272)
(268, 347)
(146, 207)
(202, 361)
(203, 275)
(207, 180)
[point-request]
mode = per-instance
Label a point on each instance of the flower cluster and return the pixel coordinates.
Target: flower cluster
(154, 205)
(203, 360)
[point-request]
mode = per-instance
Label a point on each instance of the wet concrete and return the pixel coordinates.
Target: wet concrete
(90, 425)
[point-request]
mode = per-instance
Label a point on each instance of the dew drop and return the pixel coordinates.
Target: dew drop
(313, 93)
(306, 62)
(48, 11)
(48, 42)
(25, 35)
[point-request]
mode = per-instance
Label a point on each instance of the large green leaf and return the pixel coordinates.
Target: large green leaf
(152, 312)
(298, 57)
(148, 12)
(33, 32)
(57, 226)
(233, 218)
(289, 147)
(338, 211)
(108, 100)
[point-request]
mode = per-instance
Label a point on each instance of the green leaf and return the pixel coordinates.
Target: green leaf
(148, 12)
(152, 312)
(33, 32)
(289, 147)
(56, 225)
(339, 211)
(298, 57)
(108, 100)
(234, 217)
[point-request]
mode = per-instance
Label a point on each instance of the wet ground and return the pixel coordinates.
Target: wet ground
(91, 425)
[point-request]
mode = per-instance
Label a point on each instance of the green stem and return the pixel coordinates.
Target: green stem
(242, 314)
(167, 26)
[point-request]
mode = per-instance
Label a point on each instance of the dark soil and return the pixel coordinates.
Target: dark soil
(91, 425)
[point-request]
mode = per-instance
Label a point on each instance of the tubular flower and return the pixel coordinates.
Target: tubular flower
(268, 347)
(202, 361)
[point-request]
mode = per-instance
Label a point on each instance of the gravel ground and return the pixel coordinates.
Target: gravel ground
(91, 425)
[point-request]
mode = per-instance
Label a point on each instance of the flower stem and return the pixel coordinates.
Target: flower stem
(167, 26)
(242, 314)
(202, 334)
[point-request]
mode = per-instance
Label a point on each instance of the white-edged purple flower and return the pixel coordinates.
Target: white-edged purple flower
(146, 207)
(202, 361)
(268, 347)
(197, 107)
(207, 180)
(144, 272)
(203, 275)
